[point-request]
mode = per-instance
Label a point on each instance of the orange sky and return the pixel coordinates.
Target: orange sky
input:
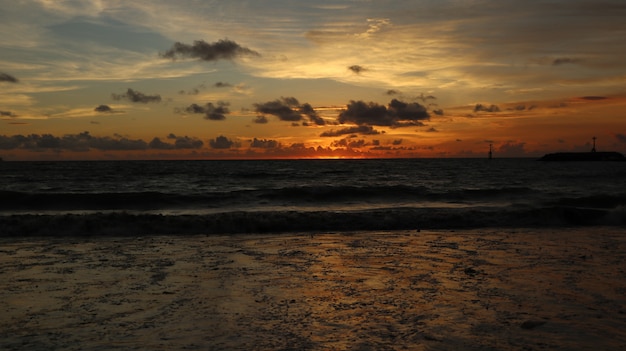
(331, 79)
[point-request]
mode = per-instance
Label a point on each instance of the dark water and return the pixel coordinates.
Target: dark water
(307, 195)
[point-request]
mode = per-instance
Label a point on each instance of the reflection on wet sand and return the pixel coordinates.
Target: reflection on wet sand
(436, 290)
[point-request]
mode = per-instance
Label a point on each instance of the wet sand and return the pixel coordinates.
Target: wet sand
(488, 289)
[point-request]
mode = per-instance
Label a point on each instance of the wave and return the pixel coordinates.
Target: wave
(407, 218)
(251, 197)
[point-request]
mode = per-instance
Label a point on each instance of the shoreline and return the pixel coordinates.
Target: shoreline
(288, 221)
(490, 288)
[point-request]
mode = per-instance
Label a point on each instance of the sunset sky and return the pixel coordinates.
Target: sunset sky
(161, 79)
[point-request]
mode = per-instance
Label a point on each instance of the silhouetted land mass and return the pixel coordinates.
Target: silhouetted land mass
(584, 156)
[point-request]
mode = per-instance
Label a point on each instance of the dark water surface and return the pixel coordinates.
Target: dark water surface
(303, 195)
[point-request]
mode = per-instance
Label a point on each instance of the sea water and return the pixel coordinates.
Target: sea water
(308, 195)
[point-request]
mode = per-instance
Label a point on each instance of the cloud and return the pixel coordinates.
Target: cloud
(621, 138)
(362, 129)
(221, 142)
(392, 92)
(7, 114)
(260, 120)
(135, 96)
(357, 69)
(264, 144)
(395, 114)
(192, 91)
(103, 108)
(84, 141)
(438, 112)
(222, 85)
(73, 142)
(349, 143)
(288, 109)
(564, 61)
(4, 77)
(222, 49)
(212, 112)
(184, 142)
(484, 108)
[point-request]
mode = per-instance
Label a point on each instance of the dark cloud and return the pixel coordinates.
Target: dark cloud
(103, 108)
(7, 78)
(357, 69)
(307, 110)
(484, 108)
(564, 61)
(593, 98)
(395, 114)
(392, 92)
(264, 144)
(192, 91)
(362, 129)
(210, 111)
(73, 142)
(438, 112)
(288, 109)
(221, 142)
(432, 130)
(349, 143)
(7, 114)
(184, 142)
(222, 85)
(135, 96)
(260, 120)
(222, 49)
(621, 138)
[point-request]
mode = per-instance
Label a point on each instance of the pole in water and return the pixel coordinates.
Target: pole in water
(593, 149)
(490, 152)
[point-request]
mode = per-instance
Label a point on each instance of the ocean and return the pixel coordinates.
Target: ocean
(272, 196)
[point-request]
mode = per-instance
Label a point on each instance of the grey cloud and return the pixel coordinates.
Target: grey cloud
(103, 108)
(392, 92)
(357, 69)
(210, 111)
(221, 142)
(621, 138)
(135, 96)
(438, 112)
(365, 130)
(221, 49)
(7, 114)
(565, 61)
(73, 142)
(260, 120)
(264, 144)
(349, 143)
(288, 109)
(184, 142)
(4, 77)
(82, 142)
(484, 108)
(396, 114)
(222, 85)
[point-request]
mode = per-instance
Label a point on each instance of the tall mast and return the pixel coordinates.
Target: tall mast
(593, 149)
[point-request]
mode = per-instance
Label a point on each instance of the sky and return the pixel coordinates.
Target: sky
(211, 79)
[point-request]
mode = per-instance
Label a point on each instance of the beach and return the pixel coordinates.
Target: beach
(476, 289)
